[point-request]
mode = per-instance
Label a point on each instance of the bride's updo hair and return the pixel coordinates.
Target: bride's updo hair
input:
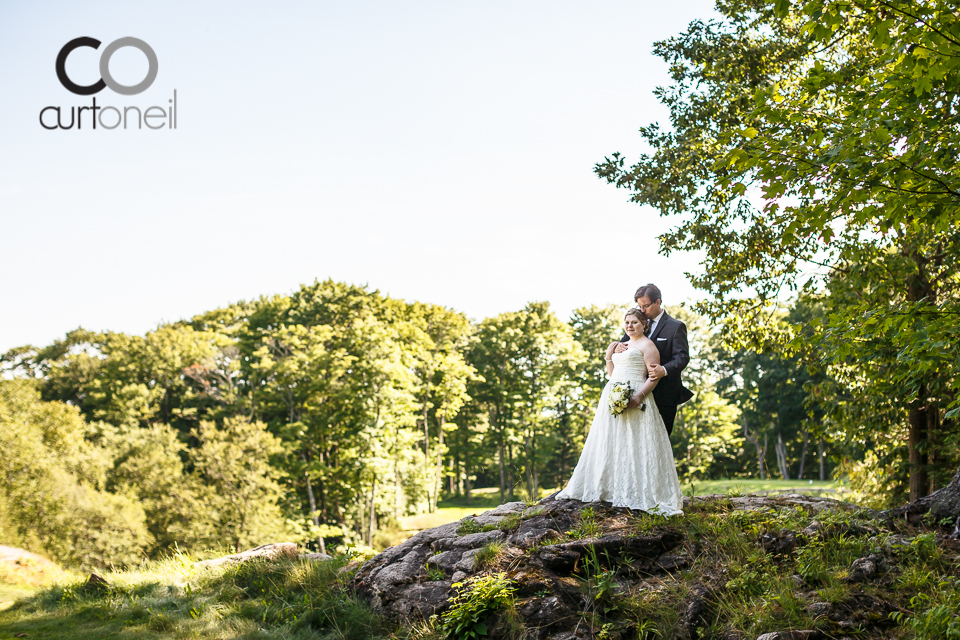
(644, 322)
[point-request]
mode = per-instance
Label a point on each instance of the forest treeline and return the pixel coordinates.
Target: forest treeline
(329, 413)
(810, 155)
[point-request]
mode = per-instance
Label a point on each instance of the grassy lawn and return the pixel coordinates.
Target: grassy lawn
(10, 593)
(453, 509)
(172, 599)
(827, 488)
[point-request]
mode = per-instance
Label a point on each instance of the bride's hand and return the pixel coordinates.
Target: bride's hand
(634, 401)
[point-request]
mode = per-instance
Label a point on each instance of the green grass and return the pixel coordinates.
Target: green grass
(9, 593)
(758, 591)
(752, 486)
(488, 554)
(172, 599)
(454, 509)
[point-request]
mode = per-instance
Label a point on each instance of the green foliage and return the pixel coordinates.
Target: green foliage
(473, 603)
(239, 483)
(532, 512)
(148, 462)
(588, 525)
(935, 614)
(812, 154)
(468, 526)
(528, 361)
(488, 553)
(599, 585)
(53, 489)
(509, 522)
(279, 418)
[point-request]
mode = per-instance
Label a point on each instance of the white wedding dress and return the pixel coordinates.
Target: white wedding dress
(627, 459)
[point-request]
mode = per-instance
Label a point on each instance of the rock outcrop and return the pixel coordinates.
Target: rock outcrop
(273, 551)
(570, 563)
(415, 578)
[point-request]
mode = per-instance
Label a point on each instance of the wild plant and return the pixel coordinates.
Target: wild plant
(475, 600)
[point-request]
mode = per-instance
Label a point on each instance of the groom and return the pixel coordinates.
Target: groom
(670, 337)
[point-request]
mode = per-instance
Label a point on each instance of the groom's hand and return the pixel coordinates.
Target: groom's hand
(655, 372)
(620, 348)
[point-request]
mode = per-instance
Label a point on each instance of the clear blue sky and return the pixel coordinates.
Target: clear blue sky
(438, 151)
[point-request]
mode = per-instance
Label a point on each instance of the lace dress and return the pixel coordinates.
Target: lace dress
(627, 459)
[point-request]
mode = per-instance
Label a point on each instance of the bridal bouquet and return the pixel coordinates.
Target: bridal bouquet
(620, 394)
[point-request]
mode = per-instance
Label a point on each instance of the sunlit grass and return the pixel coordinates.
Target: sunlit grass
(10, 593)
(173, 599)
(455, 509)
(747, 486)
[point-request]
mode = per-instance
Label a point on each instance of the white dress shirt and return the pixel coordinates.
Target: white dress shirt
(655, 322)
(653, 327)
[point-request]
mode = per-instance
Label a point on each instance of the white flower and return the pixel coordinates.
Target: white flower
(619, 397)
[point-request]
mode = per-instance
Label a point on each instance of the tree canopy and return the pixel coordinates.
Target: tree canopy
(811, 154)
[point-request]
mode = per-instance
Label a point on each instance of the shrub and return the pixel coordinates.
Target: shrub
(475, 600)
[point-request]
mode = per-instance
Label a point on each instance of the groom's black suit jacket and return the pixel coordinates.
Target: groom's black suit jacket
(670, 337)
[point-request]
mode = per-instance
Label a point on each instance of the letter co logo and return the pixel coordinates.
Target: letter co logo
(106, 80)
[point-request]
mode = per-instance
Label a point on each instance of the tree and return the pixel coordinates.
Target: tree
(147, 463)
(813, 148)
(528, 362)
(706, 436)
(241, 487)
(53, 488)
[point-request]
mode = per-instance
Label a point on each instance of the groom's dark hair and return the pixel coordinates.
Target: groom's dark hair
(651, 291)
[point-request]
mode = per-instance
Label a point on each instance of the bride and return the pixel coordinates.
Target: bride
(627, 459)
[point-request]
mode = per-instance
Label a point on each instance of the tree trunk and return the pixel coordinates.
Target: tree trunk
(923, 412)
(466, 478)
(451, 475)
(426, 436)
(511, 479)
(803, 454)
(459, 476)
(781, 450)
(755, 441)
(313, 506)
(439, 479)
(426, 454)
(535, 496)
(823, 459)
(528, 449)
(763, 457)
(919, 432)
(943, 504)
(503, 476)
(397, 490)
(362, 531)
(372, 520)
